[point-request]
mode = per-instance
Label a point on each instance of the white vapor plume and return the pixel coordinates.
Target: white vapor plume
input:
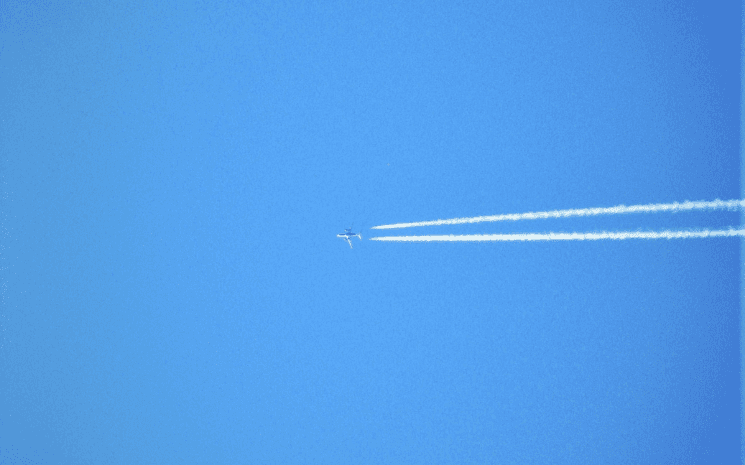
(652, 208)
(568, 236)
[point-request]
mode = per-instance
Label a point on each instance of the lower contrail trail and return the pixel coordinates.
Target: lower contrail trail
(568, 236)
(651, 208)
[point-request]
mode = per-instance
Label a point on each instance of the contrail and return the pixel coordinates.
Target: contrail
(652, 208)
(568, 236)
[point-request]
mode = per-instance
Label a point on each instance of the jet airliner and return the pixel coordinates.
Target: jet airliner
(348, 234)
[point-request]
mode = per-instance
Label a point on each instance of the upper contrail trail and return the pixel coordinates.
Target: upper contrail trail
(568, 236)
(652, 208)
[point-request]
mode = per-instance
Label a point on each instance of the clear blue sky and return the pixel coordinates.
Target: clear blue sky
(174, 176)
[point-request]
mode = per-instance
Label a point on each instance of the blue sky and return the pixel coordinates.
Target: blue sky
(175, 174)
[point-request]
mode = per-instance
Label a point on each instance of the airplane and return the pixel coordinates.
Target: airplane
(348, 234)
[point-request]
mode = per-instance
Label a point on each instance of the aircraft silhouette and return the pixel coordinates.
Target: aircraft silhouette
(348, 234)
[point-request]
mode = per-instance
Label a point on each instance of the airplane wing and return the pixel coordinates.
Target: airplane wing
(350, 243)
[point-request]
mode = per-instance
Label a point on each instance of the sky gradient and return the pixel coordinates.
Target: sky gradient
(175, 173)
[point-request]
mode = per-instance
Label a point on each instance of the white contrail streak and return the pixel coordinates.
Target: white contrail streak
(567, 236)
(652, 208)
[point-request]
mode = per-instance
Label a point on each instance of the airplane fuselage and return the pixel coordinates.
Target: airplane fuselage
(347, 235)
